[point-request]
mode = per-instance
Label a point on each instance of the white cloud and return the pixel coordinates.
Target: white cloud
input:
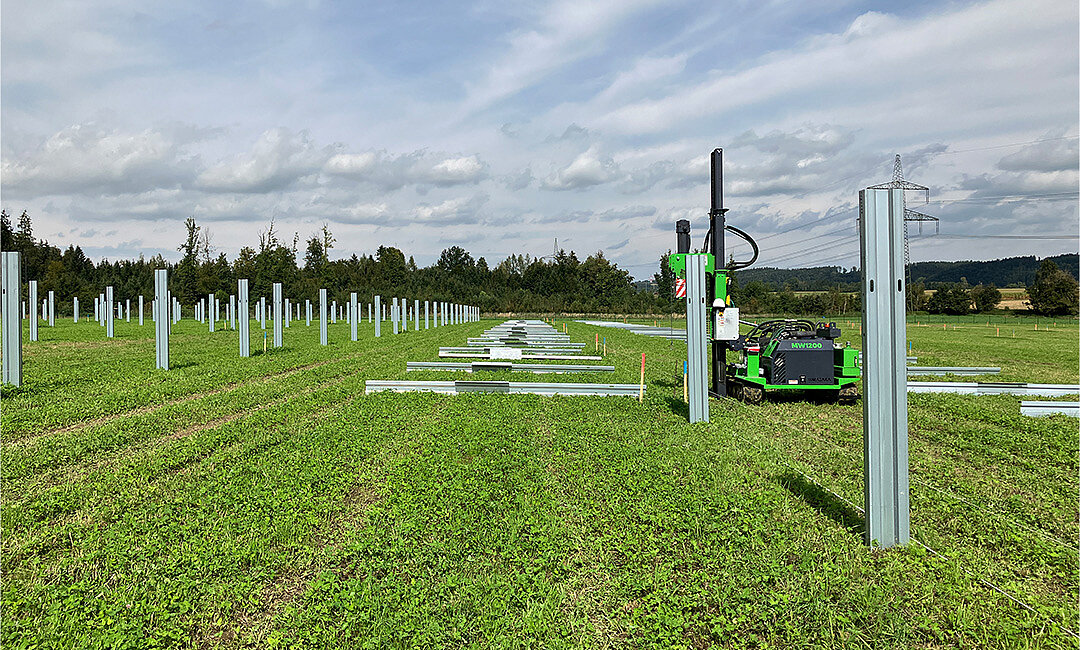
(86, 158)
(278, 159)
(587, 170)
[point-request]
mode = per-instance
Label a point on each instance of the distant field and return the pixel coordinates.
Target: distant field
(267, 502)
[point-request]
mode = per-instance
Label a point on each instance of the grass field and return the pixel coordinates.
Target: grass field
(267, 502)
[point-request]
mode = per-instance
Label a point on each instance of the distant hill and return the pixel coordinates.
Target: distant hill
(1011, 271)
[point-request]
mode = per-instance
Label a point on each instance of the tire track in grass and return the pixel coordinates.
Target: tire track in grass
(55, 537)
(150, 408)
(101, 470)
(253, 627)
(115, 437)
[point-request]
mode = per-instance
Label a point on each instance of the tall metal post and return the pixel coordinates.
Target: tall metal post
(75, 307)
(288, 312)
(232, 311)
(161, 325)
(353, 314)
(307, 309)
(262, 311)
(333, 312)
(12, 325)
(243, 317)
(140, 309)
(52, 308)
(322, 317)
(394, 314)
(109, 327)
(378, 321)
(210, 316)
(697, 337)
(278, 316)
(127, 309)
(885, 431)
(34, 306)
(416, 314)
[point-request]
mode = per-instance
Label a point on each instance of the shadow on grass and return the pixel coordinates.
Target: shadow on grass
(824, 502)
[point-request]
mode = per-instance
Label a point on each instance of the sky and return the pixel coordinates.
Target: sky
(501, 127)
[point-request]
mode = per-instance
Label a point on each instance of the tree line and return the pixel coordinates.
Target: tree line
(520, 283)
(1052, 292)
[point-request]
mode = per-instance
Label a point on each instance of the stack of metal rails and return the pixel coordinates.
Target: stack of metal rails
(644, 330)
(500, 348)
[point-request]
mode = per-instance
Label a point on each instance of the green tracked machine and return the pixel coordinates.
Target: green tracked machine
(778, 355)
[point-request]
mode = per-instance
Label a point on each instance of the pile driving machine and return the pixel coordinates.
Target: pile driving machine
(776, 355)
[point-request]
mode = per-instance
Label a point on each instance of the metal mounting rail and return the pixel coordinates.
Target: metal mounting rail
(531, 354)
(476, 366)
(992, 388)
(952, 370)
(644, 330)
(508, 349)
(521, 343)
(1040, 409)
(509, 387)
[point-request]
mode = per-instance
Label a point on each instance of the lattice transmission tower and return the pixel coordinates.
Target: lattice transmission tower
(899, 183)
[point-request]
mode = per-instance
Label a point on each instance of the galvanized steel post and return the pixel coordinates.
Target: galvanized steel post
(232, 311)
(288, 312)
(75, 307)
(210, 316)
(394, 315)
(12, 325)
(109, 328)
(885, 421)
(52, 309)
(378, 321)
(416, 314)
(161, 325)
(697, 350)
(352, 315)
(322, 317)
(333, 312)
(427, 308)
(33, 310)
(243, 316)
(277, 315)
(140, 309)
(307, 309)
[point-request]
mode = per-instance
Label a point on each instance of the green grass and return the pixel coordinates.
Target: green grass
(267, 502)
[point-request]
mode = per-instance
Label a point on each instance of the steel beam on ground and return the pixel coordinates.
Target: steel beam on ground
(508, 387)
(1042, 409)
(993, 388)
(951, 370)
(476, 366)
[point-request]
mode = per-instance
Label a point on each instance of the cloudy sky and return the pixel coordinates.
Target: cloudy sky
(501, 126)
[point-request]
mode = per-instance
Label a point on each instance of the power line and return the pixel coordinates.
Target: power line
(956, 236)
(1003, 146)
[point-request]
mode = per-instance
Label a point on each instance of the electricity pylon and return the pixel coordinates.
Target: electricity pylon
(899, 183)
